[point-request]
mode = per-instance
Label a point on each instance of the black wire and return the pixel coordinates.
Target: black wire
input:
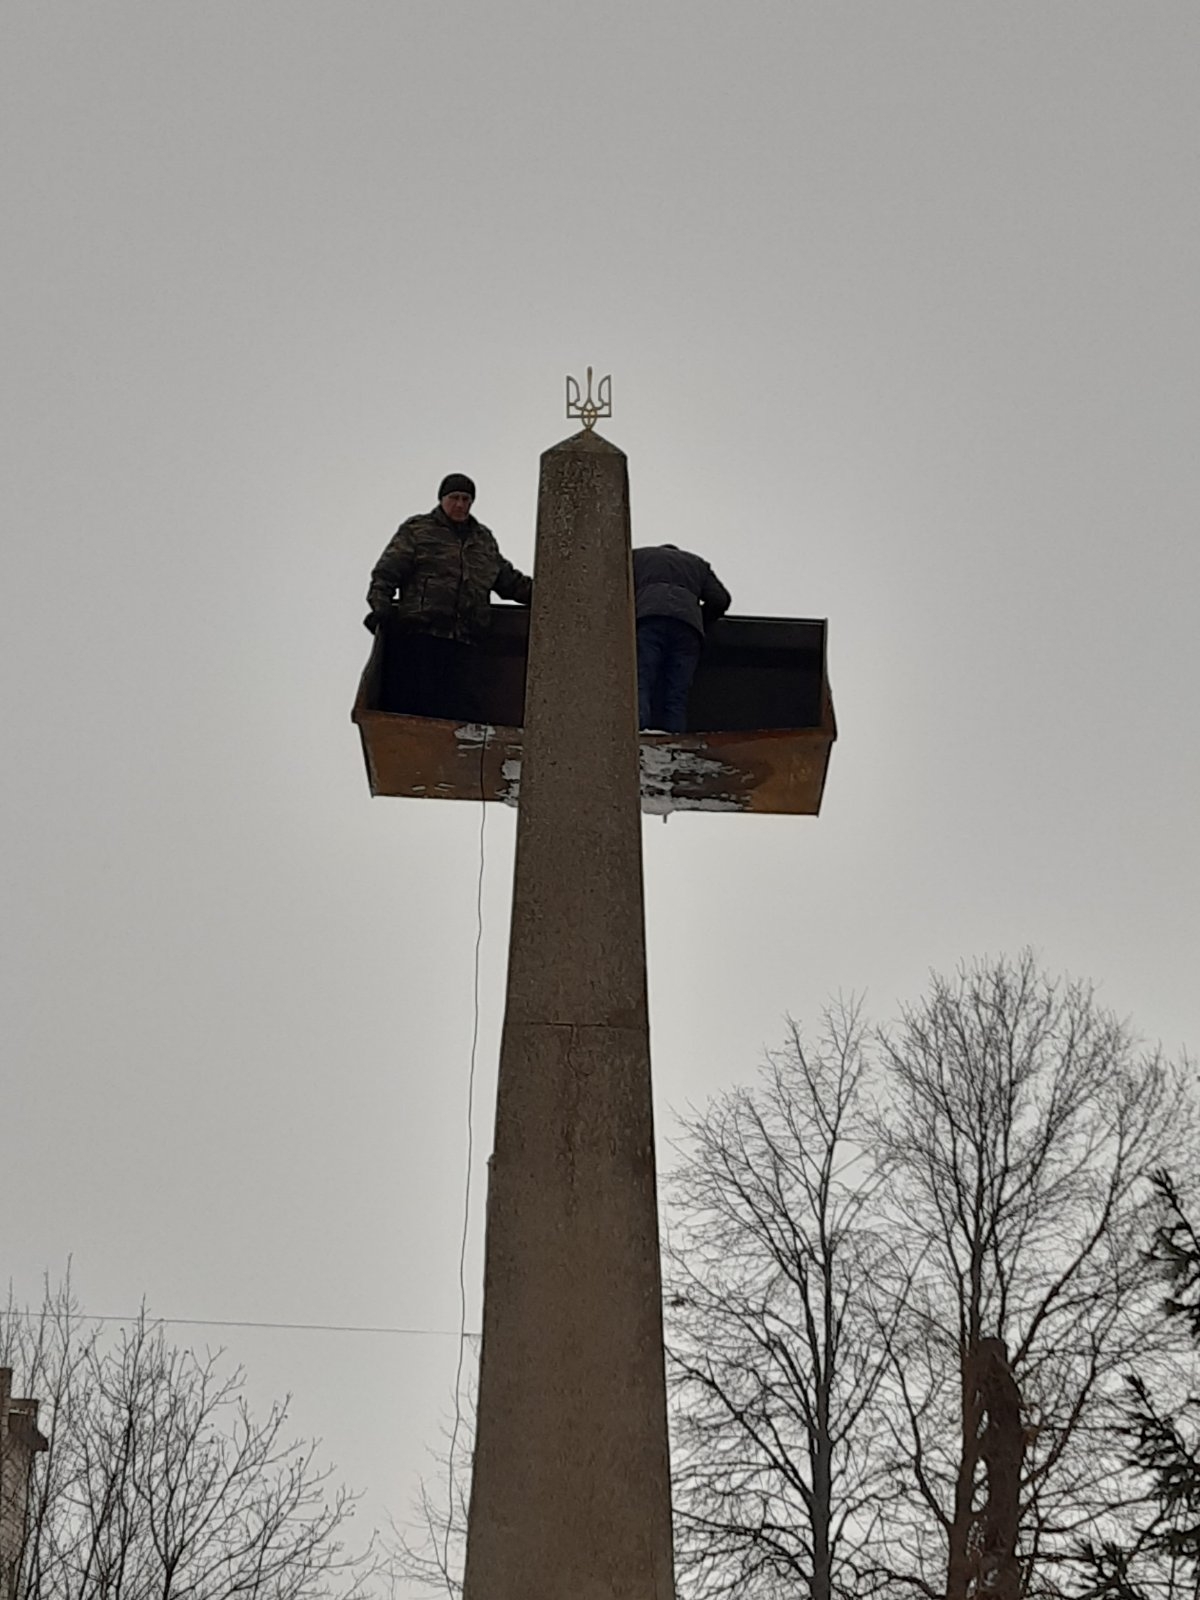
(461, 1333)
(462, 1256)
(293, 1327)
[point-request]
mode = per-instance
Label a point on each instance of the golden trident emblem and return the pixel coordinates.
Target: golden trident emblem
(584, 407)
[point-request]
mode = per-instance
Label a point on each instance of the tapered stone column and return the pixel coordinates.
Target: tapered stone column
(570, 1493)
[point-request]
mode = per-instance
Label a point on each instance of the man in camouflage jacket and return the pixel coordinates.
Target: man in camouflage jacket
(445, 565)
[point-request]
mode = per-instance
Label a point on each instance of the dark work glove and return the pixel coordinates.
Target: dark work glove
(374, 619)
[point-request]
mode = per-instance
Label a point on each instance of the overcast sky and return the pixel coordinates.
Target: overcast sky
(899, 302)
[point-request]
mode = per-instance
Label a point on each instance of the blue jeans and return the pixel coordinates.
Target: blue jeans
(667, 652)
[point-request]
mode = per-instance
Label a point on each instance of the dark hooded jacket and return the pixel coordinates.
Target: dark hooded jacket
(445, 572)
(668, 582)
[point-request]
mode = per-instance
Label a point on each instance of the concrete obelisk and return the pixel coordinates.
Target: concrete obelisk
(570, 1492)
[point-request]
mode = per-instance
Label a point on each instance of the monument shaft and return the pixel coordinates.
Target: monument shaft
(570, 1494)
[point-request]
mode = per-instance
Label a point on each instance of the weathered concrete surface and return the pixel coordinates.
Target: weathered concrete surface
(570, 1495)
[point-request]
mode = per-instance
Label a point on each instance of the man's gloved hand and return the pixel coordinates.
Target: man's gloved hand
(375, 618)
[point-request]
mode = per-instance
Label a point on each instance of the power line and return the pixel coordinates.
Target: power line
(290, 1327)
(461, 1333)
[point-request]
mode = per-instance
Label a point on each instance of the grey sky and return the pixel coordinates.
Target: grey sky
(899, 301)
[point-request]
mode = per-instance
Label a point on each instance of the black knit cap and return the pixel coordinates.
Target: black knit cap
(456, 483)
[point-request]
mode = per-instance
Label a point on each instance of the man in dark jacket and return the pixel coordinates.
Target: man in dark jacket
(445, 565)
(676, 596)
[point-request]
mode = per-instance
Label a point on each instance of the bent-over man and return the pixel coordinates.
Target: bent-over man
(676, 596)
(445, 565)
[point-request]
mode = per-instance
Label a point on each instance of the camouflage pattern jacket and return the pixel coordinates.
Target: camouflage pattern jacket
(445, 572)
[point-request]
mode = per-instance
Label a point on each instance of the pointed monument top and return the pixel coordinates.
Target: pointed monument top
(585, 442)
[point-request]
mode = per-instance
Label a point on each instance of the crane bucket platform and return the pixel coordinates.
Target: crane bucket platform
(761, 724)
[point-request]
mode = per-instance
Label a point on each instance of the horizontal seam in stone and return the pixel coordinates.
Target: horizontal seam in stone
(591, 1027)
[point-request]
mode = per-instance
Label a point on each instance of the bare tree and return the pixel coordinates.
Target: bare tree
(1020, 1128)
(905, 1274)
(778, 1282)
(430, 1551)
(159, 1483)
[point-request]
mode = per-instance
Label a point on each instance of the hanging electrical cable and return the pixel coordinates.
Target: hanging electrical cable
(462, 1254)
